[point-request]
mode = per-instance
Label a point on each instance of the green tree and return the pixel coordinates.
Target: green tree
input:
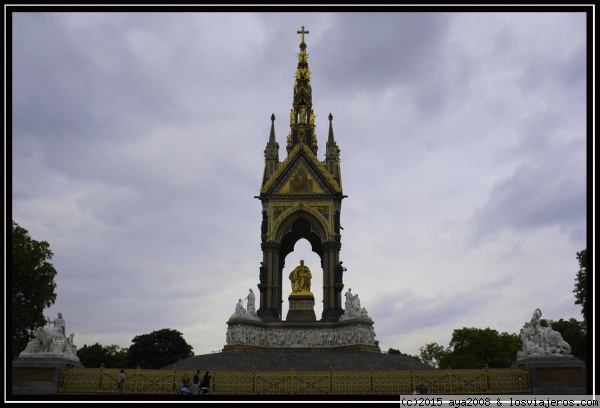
(32, 281)
(432, 353)
(117, 356)
(96, 355)
(91, 356)
(158, 349)
(573, 332)
(478, 348)
(398, 352)
(580, 290)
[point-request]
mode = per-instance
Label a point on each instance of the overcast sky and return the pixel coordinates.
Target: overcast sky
(138, 141)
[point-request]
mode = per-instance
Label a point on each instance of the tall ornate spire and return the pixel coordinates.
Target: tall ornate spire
(302, 116)
(301, 198)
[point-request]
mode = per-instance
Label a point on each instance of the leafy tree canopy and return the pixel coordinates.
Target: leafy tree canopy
(573, 332)
(432, 353)
(478, 348)
(581, 285)
(158, 349)
(32, 281)
(398, 352)
(96, 356)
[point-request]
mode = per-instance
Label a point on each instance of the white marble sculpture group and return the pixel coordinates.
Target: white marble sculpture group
(246, 313)
(52, 342)
(536, 339)
(541, 341)
(353, 308)
(359, 333)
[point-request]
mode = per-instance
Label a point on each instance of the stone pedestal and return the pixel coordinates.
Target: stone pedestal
(302, 307)
(352, 335)
(301, 331)
(565, 375)
(39, 375)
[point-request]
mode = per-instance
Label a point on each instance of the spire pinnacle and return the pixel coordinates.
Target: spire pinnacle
(302, 32)
(330, 138)
(332, 154)
(302, 116)
(272, 135)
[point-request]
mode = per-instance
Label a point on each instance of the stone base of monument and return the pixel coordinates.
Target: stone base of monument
(256, 336)
(564, 375)
(302, 307)
(39, 375)
(355, 348)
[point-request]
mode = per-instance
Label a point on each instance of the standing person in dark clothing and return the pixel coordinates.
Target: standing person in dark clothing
(206, 383)
(197, 382)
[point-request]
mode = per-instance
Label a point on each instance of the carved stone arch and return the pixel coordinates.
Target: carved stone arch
(303, 220)
(299, 225)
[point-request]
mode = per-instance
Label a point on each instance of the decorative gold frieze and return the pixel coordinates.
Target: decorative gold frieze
(301, 304)
(278, 210)
(324, 211)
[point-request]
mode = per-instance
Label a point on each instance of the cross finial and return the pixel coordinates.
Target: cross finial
(302, 32)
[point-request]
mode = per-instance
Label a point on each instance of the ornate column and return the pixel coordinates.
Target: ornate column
(270, 290)
(332, 298)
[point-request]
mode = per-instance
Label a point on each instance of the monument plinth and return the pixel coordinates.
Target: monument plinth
(552, 367)
(555, 374)
(302, 307)
(38, 367)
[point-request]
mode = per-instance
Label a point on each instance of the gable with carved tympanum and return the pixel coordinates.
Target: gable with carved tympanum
(301, 173)
(302, 180)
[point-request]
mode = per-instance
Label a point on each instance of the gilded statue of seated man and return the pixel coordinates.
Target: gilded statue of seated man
(300, 278)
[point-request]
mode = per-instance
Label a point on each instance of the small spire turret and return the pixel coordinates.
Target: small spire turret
(332, 154)
(271, 153)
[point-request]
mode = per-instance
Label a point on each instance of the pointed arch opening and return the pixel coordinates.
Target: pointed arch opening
(310, 224)
(301, 236)
(303, 250)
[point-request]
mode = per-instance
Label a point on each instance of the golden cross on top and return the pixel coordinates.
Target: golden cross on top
(302, 32)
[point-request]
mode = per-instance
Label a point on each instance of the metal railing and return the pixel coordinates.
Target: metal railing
(165, 382)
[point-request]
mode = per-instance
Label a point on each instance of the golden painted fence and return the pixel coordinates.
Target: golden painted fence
(164, 382)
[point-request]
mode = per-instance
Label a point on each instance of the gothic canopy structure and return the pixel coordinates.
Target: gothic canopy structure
(301, 198)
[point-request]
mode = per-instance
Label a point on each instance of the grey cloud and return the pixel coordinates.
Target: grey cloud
(417, 312)
(530, 199)
(370, 51)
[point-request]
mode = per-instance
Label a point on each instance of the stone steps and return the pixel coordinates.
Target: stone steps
(286, 361)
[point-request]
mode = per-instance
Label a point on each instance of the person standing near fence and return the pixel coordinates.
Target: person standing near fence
(121, 383)
(206, 383)
(197, 382)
